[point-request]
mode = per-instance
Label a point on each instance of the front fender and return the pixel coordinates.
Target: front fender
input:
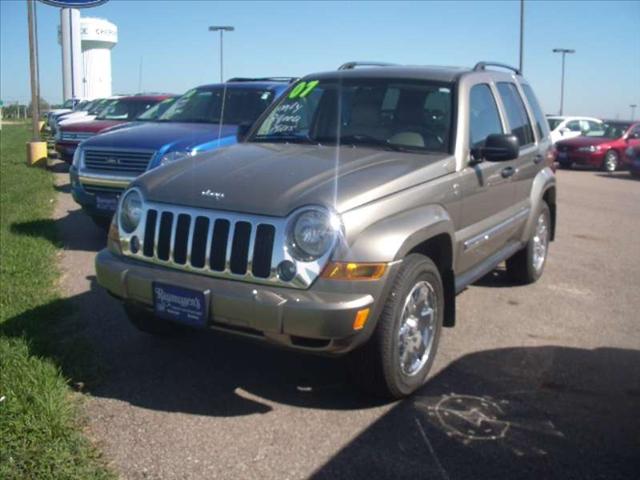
(391, 238)
(544, 180)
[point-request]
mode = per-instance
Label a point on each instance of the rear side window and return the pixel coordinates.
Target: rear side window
(484, 118)
(516, 113)
(535, 106)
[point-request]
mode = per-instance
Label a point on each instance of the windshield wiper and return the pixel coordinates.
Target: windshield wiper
(284, 139)
(370, 141)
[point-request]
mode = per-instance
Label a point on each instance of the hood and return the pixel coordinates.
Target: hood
(160, 135)
(91, 126)
(274, 179)
(584, 141)
(69, 120)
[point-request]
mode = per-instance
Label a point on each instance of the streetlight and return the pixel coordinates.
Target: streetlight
(564, 52)
(633, 111)
(221, 29)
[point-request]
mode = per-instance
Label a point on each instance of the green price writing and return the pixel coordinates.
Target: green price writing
(303, 89)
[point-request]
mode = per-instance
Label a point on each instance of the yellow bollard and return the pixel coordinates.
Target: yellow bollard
(37, 154)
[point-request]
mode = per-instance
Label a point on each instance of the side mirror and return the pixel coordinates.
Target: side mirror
(243, 131)
(500, 148)
(564, 131)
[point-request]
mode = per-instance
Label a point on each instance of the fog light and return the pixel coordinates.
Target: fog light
(135, 244)
(361, 319)
(286, 270)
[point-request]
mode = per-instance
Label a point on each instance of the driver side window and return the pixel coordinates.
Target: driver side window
(484, 118)
(574, 126)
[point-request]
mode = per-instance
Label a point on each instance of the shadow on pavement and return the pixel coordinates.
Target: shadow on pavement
(59, 167)
(619, 176)
(538, 412)
(80, 232)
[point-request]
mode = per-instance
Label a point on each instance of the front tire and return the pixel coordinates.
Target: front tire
(611, 161)
(527, 265)
(397, 358)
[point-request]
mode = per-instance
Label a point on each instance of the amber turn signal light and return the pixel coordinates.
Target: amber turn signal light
(114, 236)
(354, 271)
(361, 319)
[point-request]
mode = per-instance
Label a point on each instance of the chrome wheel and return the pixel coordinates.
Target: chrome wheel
(417, 328)
(540, 242)
(611, 161)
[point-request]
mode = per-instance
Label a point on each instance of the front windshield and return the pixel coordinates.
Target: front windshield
(554, 122)
(154, 112)
(612, 130)
(68, 103)
(125, 109)
(206, 105)
(380, 113)
(96, 107)
(82, 105)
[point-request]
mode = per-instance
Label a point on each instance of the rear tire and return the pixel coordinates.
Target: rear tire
(527, 265)
(611, 161)
(147, 322)
(397, 358)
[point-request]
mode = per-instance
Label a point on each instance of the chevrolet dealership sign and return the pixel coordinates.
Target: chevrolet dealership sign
(74, 3)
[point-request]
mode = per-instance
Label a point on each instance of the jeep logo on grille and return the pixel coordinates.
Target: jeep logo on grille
(112, 161)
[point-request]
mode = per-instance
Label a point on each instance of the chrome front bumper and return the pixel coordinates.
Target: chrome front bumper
(105, 180)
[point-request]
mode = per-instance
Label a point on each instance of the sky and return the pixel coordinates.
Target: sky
(172, 41)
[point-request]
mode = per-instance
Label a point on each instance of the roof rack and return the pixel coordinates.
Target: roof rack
(483, 66)
(263, 79)
(353, 65)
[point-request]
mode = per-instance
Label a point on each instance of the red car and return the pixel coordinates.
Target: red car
(601, 149)
(124, 110)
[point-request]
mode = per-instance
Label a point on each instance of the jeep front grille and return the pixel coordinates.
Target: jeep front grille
(213, 244)
(112, 160)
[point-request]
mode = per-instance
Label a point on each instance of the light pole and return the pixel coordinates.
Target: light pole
(564, 52)
(521, 35)
(221, 29)
(633, 111)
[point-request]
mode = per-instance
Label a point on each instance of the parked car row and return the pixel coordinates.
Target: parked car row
(203, 119)
(343, 215)
(592, 142)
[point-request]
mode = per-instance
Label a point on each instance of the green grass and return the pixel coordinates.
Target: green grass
(40, 432)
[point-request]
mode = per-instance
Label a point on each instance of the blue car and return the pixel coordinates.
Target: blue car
(203, 119)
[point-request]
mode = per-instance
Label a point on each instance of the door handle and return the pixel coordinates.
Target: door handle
(507, 172)
(538, 158)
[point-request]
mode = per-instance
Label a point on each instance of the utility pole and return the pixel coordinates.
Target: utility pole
(633, 111)
(221, 29)
(521, 35)
(564, 52)
(33, 62)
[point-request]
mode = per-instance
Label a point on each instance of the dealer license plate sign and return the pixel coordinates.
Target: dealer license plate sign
(178, 304)
(108, 203)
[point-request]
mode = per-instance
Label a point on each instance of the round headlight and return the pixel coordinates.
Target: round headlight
(312, 234)
(130, 211)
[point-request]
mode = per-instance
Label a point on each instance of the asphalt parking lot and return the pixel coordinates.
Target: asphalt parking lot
(541, 381)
